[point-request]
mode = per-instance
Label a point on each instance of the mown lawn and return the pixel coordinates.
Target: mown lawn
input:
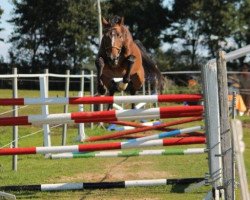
(35, 169)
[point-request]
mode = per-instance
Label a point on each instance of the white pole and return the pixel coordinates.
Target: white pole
(15, 114)
(82, 83)
(81, 130)
(45, 111)
(92, 94)
(66, 106)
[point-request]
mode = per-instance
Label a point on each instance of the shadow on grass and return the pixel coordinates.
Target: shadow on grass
(27, 195)
(178, 188)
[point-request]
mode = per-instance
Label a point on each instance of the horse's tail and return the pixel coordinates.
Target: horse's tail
(152, 73)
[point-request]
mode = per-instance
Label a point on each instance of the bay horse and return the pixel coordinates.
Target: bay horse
(119, 56)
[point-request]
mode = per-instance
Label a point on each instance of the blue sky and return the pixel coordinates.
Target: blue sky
(7, 7)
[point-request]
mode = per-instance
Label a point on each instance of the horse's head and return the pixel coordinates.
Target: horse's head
(113, 38)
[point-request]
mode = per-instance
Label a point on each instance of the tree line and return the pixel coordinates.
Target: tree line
(63, 34)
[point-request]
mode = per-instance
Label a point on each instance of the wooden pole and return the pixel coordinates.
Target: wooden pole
(225, 132)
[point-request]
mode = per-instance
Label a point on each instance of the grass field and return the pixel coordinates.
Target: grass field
(35, 169)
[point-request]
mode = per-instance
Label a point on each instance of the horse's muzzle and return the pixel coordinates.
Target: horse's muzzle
(114, 62)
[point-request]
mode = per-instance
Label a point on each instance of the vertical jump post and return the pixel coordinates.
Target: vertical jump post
(212, 124)
(43, 80)
(225, 131)
(66, 106)
(15, 114)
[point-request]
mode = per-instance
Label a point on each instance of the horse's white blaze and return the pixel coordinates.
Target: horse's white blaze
(113, 38)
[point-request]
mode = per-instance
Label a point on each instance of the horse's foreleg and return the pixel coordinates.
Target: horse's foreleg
(112, 90)
(99, 63)
(129, 62)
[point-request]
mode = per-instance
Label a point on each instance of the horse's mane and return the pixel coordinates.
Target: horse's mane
(128, 40)
(152, 73)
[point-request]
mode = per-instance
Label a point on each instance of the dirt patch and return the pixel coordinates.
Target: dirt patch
(121, 170)
(246, 125)
(91, 177)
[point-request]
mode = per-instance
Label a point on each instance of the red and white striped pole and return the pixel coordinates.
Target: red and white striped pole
(101, 146)
(105, 116)
(102, 99)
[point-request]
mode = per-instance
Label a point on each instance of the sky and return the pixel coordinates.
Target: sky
(5, 34)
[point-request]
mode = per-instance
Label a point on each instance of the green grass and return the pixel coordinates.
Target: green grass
(35, 169)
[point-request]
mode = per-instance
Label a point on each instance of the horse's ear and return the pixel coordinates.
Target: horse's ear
(104, 22)
(122, 21)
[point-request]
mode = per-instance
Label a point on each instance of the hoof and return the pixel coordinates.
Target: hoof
(122, 86)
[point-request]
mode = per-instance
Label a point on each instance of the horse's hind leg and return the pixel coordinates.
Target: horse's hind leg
(154, 89)
(132, 91)
(99, 63)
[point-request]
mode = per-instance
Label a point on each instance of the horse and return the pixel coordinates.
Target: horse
(119, 56)
(153, 75)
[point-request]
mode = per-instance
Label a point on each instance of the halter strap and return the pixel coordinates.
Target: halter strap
(111, 47)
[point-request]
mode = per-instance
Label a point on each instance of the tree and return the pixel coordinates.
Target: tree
(245, 11)
(146, 19)
(219, 22)
(241, 34)
(55, 35)
(173, 60)
(204, 23)
(1, 12)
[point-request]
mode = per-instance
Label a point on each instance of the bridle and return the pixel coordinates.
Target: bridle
(114, 47)
(112, 37)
